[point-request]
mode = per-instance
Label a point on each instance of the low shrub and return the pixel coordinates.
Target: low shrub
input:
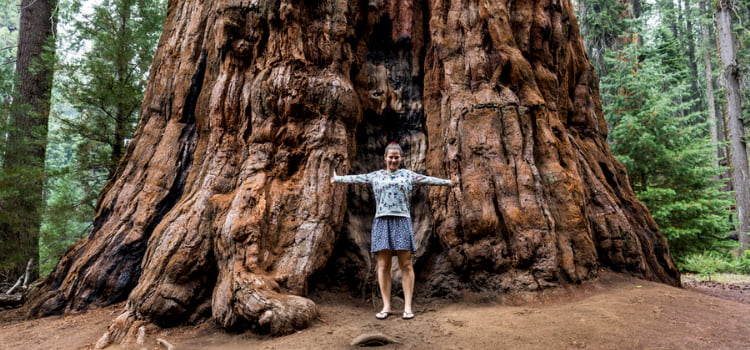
(708, 263)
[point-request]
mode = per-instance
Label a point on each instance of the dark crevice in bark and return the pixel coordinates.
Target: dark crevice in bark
(58, 302)
(64, 265)
(128, 265)
(610, 178)
(126, 260)
(196, 84)
(102, 217)
(172, 316)
(187, 141)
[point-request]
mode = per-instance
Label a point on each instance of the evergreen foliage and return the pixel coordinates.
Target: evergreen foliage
(665, 148)
(25, 113)
(101, 80)
(8, 43)
(603, 25)
(105, 85)
(658, 119)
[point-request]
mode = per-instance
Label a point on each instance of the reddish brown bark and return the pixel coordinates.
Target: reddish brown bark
(222, 206)
(542, 198)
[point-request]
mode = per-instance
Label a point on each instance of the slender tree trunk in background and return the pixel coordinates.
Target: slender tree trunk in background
(708, 45)
(594, 45)
(725, 149)
(637, 8)
(118, 140)
(633, 12)
(23, 165)
(674, 16)
(724, 19)
(581, 8)
(222, 205)
(721, 115)
(687, 12)
(123, 111)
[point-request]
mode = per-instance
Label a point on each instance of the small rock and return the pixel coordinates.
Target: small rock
(373, 339)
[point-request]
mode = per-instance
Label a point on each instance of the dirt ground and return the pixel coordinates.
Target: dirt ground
(614, 312)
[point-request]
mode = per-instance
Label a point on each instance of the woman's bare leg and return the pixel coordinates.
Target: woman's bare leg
(384, 258)
(407, 277)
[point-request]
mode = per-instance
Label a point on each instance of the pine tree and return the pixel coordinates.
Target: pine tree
(8, 43)
(604, 24)
(655, 111)
(22, 177)
(103, 80)
(666, 150)
(106, 85)
(708, 53)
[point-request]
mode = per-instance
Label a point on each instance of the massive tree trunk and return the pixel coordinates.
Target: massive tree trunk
(21, 197)
(222, 205)
(738, 148)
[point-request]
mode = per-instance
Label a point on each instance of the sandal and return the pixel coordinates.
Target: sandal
(408, 315)
(382, 315)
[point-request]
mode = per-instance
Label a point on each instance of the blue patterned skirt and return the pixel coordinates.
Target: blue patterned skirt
(392, 233)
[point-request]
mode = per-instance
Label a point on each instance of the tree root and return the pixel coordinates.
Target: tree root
(255, 300)
(274, 312)
(124, 329)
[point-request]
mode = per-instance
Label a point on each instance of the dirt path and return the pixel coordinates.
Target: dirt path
(615, 312)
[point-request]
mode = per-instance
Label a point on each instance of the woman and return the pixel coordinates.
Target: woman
(392, 227)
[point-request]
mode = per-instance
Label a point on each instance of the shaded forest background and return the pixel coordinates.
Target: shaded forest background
(662, 82)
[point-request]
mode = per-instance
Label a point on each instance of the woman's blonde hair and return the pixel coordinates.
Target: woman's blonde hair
(395, 146)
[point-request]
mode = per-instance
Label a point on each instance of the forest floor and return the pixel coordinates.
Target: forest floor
(614, 312)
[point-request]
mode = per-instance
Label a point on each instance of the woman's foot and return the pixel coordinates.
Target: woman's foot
(408, 315)
(382, 315)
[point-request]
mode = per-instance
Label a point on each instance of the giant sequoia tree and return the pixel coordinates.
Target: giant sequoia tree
(222, 205)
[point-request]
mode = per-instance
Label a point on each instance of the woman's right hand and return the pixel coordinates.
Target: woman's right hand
(334, 175)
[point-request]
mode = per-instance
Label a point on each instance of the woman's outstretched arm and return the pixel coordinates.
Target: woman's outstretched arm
(429, 180)
(352, 179)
